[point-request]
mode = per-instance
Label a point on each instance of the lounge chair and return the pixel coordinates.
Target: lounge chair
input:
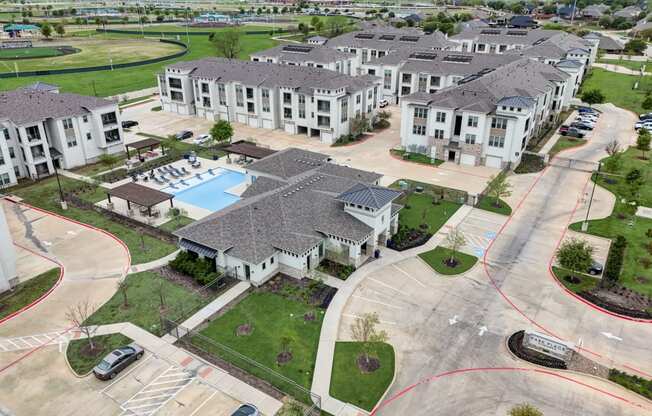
(160, 171)
(165, 179)
(198, 175)
(196, 165)
(185, 171)
(210, 170)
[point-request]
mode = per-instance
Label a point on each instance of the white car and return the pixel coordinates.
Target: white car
(585, 121)
(647, 125)
(201, 139)
(383, 103)
(588, 117)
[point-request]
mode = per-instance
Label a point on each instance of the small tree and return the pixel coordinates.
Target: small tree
(612, 148)
(227, 42)
(46, 30)
(364, 331)
(594, 96)
(78, 314)
(643, 141)
(60, 29)
(123, 287)
(175, 214)
(613, 162)
(524, 410)
(222, 131)
(498, 187)
(454, 241)
(168, 144)
(108, 160)
(647, 102)
(575, 255)
(359, 125)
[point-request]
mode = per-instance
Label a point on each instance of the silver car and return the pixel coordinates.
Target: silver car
(247, 410)
(118, 360)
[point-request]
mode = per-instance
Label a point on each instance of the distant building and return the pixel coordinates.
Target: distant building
(607, 43)
(567, 12)
(8, 276)
(212, 18)
(317, 40)
(548, 345)
(522, 22)
(316, 56)
(595, 11)
(630, 13)
(15, 30)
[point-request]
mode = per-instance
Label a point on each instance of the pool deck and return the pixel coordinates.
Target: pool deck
(191, 211)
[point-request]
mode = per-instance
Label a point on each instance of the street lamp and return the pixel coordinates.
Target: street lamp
(585, 224)
(64, 204)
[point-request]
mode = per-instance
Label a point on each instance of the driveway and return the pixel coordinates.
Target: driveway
(441, 324)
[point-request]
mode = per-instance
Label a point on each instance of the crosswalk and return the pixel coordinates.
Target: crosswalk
(153, 396)
(29, 342)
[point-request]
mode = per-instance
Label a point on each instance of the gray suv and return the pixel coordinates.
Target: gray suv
(246, 410)
(118, 360)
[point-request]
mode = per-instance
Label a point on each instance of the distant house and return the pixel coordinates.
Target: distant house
(414, 18)
(629, 13)
(522, 22)
(567, 12)
(20, 30)
(640, 27)
(595, 11)
(606, 43)
(212, 18)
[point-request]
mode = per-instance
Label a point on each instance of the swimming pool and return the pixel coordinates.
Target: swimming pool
(208, 191)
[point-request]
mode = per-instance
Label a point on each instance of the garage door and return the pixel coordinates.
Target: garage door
(494, 162)
(467, 160)
(253, 122)
(267, 124)
(289, 128)
(242, 118)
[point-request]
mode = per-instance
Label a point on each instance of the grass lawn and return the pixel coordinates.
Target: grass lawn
(27, 292)
(436, 258)
(618, 88)
(636, 273)
(272, 318)
(422, 209)
(118, 81)
(45, 194)
(350, 385)
(416, 157)
(564, 143)
(36, 52)
(489, 204)
(182, 147)
(587, 283)
(634, 65)
(175, 224)
(82, 362)
(144, 303)
(93, 169)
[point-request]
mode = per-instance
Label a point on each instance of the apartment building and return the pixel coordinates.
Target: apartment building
(7, 255)
(487, 119)
(299, 210)
(314, 102)
(43, 129)
(315, 56)
(409, 70)
(377, 42)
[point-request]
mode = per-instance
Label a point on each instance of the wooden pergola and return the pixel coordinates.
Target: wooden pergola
(139, 195)
(150, 144)
(248, 149)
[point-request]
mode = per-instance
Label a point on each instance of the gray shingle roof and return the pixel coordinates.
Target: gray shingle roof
(389, 38)
(368, 196)
(27, 105)
(313, 53)
(556, 46)
(523, 102)
(288, 163)
(261, 185)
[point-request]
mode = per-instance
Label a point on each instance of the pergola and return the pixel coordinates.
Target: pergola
(150, 144)
(139, 195)
(248, 149)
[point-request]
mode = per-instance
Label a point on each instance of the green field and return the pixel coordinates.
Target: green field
(118, 81)
(418, 209)
(634, 65)
(24, 53)
(618, 88)
(27, 292)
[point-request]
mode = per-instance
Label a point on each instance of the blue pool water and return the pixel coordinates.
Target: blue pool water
(209, 192)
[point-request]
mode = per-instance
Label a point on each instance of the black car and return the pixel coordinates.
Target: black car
(246, 410)
(595, 269)
(644, 117)
(129, 123)
(117, 361)
(581, 126)
(183, 134)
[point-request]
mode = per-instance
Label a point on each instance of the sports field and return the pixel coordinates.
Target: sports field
(27, 53)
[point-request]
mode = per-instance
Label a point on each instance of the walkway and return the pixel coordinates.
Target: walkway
(330, 327)
(555, 136)
(154, 264)
(212, 308)
(619, 69)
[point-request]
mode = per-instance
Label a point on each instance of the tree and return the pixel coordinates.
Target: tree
(643, 141)
(364, 331)
(123, 286)
(79, 313)
(499, 187)
(304, 28)
(647, 103)
(227, 42)
(524, 410)
(575, 255)
(454, 241)
(46, 30)
(613, 162)
(222, 131)
(108, 160)
(169, 143)
(319, 26)
(175, 214)
(60, 29)
(359, 125)
(594, 96)
(636, 46)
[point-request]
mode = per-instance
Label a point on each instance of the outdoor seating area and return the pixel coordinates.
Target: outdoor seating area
(168, 173)
(139, 202)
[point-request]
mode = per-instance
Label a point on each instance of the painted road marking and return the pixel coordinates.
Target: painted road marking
(387, 286)
(611, 336)
(203, 404)
(151, 398)
(408, 275)
(351, 315)
(28, 342)
(483, 329)
(376, 301)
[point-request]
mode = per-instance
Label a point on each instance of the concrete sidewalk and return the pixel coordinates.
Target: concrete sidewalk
(211, 375)
(154, 263)
(212, 308)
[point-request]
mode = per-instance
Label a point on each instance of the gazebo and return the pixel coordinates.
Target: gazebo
(150, 144)
(139, 195)
(248, 149)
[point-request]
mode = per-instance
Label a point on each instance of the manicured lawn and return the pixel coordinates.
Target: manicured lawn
(564, 143)
(489, 204)
(272, 318)
(27, 292)
(587, 283)
(37, 52)
(144, 303)
(618, 88)
(82, 362)
(634, 65)
(421, 209)
(45, 194)
(118, 81)
(350, 385)
(636, 273)
(634, 383)
(175, 224)
(436, 258)
(416, 157)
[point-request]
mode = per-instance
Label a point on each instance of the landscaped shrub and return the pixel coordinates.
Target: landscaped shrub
(199, 269)
(614, 261)
(634, 383)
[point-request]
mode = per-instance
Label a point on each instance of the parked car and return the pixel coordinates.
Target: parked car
(183, 134)
(247, 410)
(595, 268)
(129, 123)
(202, 138)
(647, 125)
(581, 126)
(587, 110)
(118, 360)
(587, 116)
(571, 132)
(646, 116)
(383, 103)
(585, 120)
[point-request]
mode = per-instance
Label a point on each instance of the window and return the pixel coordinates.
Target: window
(287, 112)
(502, 48)
(85, 118)
(323, 121)
(420, 112)
(221, 92)
(323, 106)
(107, 118)
(265, 95)
(2, 159)
(472, 121)
(370, 94)
(239, 96)
(302, 106)
(204, 88)
(271, 260)
(387, 80)
(12, 153)
(344, 110)
(496, 141)
(4, 179)
(33, 134)
(499, 123)
(406, 78)
(481, 47)
(88, 136)
(358, 98)
(250, 93)
(438, 134)
(71, 141)
(469, 138)
(251, 108)
(264, 265)
(174, 83)
(440, 117)
(5, 133)
(371, 71)
(112, 136)
(365, 55)
(67, 123)
(419, 130)
(176, 96)
(287, 98)
(423, 82)
(527, 125)
(435, 81)
(206, 102)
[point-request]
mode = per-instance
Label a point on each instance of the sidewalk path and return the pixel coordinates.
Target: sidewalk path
(619, 69)
(212, 308)
(321, 380)
(555, 137)
(154, 264)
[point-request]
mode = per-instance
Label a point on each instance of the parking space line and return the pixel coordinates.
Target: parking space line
(149, 398)
(126, 374)
(203, 404)
(176, 380)
(387, 286)
(377, 301)
(351, 315)
(408, 275)
(155, 390)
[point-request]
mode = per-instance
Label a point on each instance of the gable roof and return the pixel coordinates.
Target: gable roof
(304, 53)
(369, 196)
(288, 163)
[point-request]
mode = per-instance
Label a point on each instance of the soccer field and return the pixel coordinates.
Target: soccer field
(37, 52)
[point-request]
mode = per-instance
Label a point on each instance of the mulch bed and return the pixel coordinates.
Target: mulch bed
(291, 288)
(87, 352)
(191, 284)
(244, 330)
(367, 366)
(283, 357)
(414, 238)
(620, 300)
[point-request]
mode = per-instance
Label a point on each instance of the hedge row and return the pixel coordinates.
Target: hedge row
(614, 261)
(199, 269)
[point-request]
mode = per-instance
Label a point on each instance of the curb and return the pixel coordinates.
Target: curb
(74, 373)
(389, 386)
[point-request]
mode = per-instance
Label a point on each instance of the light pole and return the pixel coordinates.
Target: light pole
(585, 224)
(64, 204)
